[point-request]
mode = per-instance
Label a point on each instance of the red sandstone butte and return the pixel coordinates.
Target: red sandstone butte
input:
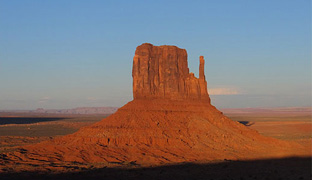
(162, 72)
(170, 120)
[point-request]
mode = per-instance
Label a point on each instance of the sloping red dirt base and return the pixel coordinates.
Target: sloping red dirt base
(153, 132)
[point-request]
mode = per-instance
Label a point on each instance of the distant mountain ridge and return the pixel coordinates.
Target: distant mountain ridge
(111, 110)
(78, 110)
(274, 110)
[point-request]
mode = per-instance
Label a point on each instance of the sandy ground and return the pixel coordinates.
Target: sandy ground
(292, 126)
(33, 128)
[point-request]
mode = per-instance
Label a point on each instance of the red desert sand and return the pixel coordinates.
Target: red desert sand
(169, 121)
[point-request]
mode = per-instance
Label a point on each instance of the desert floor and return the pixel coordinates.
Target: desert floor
(18, 129)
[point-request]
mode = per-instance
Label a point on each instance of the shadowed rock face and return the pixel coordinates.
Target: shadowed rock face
(162, 72)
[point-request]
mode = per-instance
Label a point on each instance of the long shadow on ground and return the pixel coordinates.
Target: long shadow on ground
(271, 169)
(26, 120)
(246, 123)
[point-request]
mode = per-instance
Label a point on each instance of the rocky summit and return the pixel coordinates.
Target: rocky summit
(170, 120)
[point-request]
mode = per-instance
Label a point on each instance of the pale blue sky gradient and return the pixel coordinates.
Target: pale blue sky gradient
(65, 54)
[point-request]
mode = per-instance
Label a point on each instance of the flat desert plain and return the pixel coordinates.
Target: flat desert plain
(291, 124)
(17, 129)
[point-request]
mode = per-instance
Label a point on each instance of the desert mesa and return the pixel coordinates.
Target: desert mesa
(170, 120)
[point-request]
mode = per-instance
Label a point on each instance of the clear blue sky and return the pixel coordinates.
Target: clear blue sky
(65, 54)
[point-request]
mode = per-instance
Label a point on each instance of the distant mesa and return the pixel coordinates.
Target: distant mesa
(170, 120)
(78, 110)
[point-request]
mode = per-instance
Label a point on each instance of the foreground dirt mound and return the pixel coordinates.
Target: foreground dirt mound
(165, 123)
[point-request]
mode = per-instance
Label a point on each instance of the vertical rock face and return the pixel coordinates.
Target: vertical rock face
(162, 72)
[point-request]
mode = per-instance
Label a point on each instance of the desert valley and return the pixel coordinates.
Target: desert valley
(170, 130)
